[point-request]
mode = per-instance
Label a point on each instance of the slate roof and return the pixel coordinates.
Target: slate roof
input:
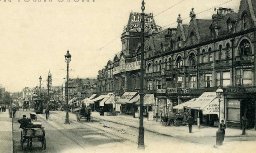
(203, 26)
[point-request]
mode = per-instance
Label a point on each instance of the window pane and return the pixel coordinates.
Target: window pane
(247, 75)
(247, 82)
(226, 75)
(226, 83)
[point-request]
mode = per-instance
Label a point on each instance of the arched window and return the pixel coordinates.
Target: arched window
(169, 63)
(193, 38)
(204, 57)
(160, 66)
(210, 54)
(156, 66)
(245, 50)
(149, 68)
(179, 62)
(192, 60)
(220, 52)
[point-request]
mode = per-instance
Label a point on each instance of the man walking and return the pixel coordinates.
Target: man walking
(47, 112)
(244, 124)
(222, 129)
(190, 123)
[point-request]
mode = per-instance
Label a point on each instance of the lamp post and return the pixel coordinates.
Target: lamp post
(67, 59)
(40, 83)
(219, 93)
(219, 133)
(141, 128)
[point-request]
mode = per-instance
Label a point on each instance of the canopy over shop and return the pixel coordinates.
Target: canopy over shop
(123, 103)
(208, 105)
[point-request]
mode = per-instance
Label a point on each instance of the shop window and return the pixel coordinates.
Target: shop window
(233, 110)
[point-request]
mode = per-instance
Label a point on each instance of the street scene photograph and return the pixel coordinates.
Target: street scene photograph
(128, 76)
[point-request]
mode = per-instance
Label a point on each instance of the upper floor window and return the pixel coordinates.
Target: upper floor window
(245, 50)
(192, 60)
(220, 52)
(228, 51)
(179, 62)
(160, 66)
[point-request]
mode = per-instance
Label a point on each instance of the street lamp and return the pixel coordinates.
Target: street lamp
(67, 59)
(219, 93)
(141, 128)
(40, 83)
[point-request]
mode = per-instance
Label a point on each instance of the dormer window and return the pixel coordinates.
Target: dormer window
(229, 25)
(179, 42)
(244, 21)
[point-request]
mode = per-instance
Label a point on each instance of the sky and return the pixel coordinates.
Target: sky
(35, 35)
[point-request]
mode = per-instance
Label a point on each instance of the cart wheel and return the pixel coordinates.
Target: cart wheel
(77, 117)
(21, 140)
(43, 143)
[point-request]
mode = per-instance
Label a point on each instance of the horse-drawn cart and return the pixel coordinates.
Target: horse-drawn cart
(31, 133)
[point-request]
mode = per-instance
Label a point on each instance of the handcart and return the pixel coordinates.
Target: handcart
(32, 133)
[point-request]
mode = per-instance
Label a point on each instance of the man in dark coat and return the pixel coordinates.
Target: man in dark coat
(244, 124)
(24, 122)
(223, 129)
(190, 123)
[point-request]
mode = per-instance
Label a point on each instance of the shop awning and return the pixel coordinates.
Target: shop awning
(126, 97)
(149, 99)
(185, 104)
(201, 102)
(72, 100)
(99, 98)
(106, 98)
(92, 96)
(110, 100)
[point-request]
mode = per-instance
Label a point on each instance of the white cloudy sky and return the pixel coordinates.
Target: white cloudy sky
(35, 35)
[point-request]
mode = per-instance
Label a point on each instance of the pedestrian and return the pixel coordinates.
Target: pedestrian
(24, 122)
(190, 123)
(89, 115)
(47, 112)
(222, 129)
(244, 124)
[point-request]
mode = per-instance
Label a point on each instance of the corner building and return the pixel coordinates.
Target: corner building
(184, 62)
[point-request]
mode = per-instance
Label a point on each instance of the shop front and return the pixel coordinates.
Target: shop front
(124, 103)
(240, 102)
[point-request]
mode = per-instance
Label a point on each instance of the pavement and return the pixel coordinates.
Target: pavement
(173, 131)
(6, 142)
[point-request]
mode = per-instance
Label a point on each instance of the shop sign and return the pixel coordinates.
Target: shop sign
(172, 90)
(126, 67)
(234, 103)
(212, 109)
(161, 91)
